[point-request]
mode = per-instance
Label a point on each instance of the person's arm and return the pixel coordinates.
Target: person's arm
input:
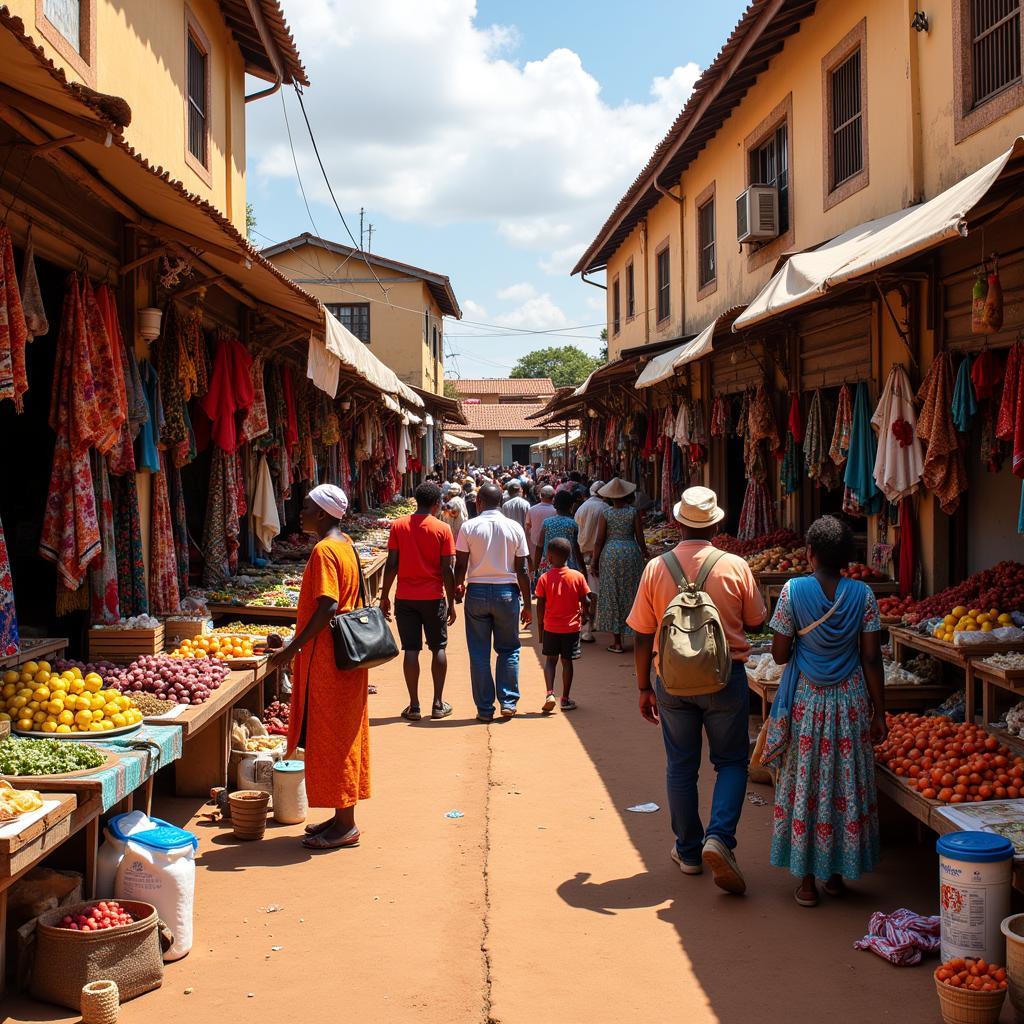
(874, 676)
(461, 565)
(602, 533)
(326, 609)
(586, 606)
(784, 628)
(576, 553)
(638, 530)
(754, 611)
(540, 618)
(782, 648)
(448, 578)
(390, 574)
(643, 657)
(523, 579)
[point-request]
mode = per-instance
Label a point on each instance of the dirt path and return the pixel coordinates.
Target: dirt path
(547, 903)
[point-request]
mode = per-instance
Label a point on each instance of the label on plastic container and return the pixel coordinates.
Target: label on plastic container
(973, 900)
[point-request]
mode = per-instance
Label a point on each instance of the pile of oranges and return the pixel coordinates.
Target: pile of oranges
(974, 975)
(218, 647)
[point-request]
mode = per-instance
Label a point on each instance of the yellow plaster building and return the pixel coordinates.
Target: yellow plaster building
(396, 309)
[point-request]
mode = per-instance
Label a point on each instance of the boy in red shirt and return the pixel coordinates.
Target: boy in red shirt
(564, 603)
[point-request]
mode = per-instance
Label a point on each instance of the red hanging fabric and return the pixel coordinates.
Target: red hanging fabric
(13, 332)
(796, 419)
(908, 551)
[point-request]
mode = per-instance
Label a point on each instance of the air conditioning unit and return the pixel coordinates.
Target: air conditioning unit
(757, 214)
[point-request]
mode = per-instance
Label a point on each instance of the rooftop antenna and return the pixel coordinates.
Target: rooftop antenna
(369, 237)
(361, 212)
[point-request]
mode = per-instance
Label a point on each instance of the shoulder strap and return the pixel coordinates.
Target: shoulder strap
(675, 569)
(709, 563)
(359, 570)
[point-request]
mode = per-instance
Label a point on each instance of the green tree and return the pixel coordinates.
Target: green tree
(602, 352)
(250, 221)
(451, 389)
(567, 365)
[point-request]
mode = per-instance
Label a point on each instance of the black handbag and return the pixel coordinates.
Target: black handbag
(362, 637)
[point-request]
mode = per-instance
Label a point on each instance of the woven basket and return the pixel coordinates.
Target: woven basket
(1013, 928)
(963, 1006)
(101, 1002)
(66, 961)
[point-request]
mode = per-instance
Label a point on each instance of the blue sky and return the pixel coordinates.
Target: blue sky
(486, 141)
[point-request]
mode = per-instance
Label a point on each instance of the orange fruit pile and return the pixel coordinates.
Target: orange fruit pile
(975, 975)
(217, 647)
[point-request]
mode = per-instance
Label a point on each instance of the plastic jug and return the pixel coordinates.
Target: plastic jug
(115, 836)
(290, 804)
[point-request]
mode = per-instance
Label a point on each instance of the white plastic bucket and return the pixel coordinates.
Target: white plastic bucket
(290, 803)
(975, 877)
(116, 834)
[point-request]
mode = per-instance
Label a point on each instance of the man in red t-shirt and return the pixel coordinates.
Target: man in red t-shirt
(564, 603)
(421, 554)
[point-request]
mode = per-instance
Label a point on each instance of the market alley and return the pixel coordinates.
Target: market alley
(546, 902)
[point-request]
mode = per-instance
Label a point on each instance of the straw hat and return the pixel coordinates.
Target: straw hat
(698, 508)
(595, 488)
(617, 488)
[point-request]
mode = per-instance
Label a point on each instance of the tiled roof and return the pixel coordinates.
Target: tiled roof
(505, 386)
(510, 416)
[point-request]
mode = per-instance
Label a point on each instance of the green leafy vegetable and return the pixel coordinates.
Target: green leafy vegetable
(46, 757)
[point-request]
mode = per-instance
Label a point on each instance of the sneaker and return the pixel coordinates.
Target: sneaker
(722, 863)
(549, 704)
(508, 712)
(485, 718)
(687, 869)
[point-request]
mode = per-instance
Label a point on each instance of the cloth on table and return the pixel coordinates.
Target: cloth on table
(147, 457)
(965, 405)
(944, 471)
(131, 569)
(13, 331)
(898, 459)
(1010, 422)
(901, 937)
(862, 497)
(231, 391)
(34, 309)
(164, 596)
(9, 640)
(71, 535)
(106, 608)
(839, 450)
(220, 530)
(265, 521)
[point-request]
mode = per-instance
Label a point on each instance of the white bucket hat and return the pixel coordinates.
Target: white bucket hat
(698, 508)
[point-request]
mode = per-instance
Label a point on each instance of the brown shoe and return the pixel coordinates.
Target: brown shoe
(718, 857)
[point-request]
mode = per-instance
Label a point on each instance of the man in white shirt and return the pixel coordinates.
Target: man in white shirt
(536, 516)
(587, 517)
(491, 570)
(516, 506)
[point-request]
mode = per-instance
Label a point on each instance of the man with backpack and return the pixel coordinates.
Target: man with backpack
(696, 604)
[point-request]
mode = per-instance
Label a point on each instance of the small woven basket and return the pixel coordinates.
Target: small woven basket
(101, 1002)
(964, 1006)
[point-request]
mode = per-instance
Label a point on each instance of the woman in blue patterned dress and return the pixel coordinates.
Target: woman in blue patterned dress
(560, 525)
(827, 715)
(620, 554)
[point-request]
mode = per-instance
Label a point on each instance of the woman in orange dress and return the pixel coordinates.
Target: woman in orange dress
(330, 715)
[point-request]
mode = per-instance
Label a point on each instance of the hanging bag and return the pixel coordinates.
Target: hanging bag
(362, 637)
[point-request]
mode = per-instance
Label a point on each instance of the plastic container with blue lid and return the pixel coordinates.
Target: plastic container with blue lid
(163, 835)
(290, 766)
(974, 847)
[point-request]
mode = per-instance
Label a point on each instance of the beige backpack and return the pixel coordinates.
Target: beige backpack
(693, 652)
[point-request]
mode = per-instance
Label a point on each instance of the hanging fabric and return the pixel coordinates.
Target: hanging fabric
(862, 497)
(147, 456)
(34, 309)
(164, 595)
(757, 516)
(944, 471)
(898, 459)
(257, 421)
(180, 523)
(1010, 422)
(122, 455)
(13, 332)
(840, 447)
(795, 420)
(173, 432)
(220, 530)
(10, 642)
(108, 379)
(291, 425)
(131, 569)
(965, 406)
(987, 374)
(908, 548)
(814, 438)
(265, 520)
(789, 471)
(106, 608)
(231, 391)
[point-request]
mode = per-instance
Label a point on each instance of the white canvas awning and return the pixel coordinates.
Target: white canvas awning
(356, 356)
(876, 244)
(664, 366)
(555, 442)
(457, 443)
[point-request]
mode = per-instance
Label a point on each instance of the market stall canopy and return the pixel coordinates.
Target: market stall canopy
(877, 244)
(451, 441)
(449, 408)
(354, 355)
(555, 442)
(664, 366)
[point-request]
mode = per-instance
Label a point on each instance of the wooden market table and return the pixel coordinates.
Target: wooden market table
(206, 733)
(771, 584)
(34, 649)
(993, 678)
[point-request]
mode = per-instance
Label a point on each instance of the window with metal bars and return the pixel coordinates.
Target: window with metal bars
(995, 47)
(630, 292)
(769, 165)
(355, 316)
(664, 293)
(847, 120)
(197, 100)
(616, 307)
(706, 269)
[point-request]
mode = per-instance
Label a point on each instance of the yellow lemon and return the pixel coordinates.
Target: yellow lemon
(66, 718)
(93, 683)
(9, 690)
(83, 718)
(4, 717)
(95, 727)
(45, 666)
(27, 678)
(76, 672)
(96, 714)
(18, 702)
(119, 720)
(76, 686)
(31, 667)
(1005, 620)
(986, 627)
(25, 724)
(110, 708)
(42, 676)
(39, 716)
(49, 727)
(11, 676)
(123, 703)
(33, 705)
(54, 707)
(63, 728)
(58, 684)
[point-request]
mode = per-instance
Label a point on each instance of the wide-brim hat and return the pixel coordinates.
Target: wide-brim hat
(617, 488)
(595, 487)
(698, 508)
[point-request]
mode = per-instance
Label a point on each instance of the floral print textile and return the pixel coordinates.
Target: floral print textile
(164, 596)
(944, 472)
(9, 641)
(131, 569)
(621, 566)
(103, 572)
(220, 531)
(826, 806)
(13, 332)
(257, 420)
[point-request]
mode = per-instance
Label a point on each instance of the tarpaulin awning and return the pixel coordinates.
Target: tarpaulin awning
(878, 243)
(451, 441)
(664, 366)
(556, 442)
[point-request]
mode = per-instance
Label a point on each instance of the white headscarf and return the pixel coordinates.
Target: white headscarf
(331, 499)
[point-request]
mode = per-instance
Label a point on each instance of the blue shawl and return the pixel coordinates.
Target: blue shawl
(830, 652)
(860, 464)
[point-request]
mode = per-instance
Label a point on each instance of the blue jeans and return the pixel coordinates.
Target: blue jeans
(723, 716)
(492, 614)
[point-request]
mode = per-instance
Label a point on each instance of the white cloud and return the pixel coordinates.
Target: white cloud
(517, 292)
(473, 310)
(538, 313)
(561, 261)
(430, 119)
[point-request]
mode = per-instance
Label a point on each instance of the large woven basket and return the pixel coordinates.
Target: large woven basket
(65, 961)
(965, 1006)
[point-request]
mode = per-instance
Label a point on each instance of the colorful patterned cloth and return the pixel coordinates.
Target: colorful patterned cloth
(9, 640)
(131, 569)
(826, 806)
(103, 572)
(814, 438)
(1010, 422)
(840, 447)
(231, 391)
(180, 522)
(107, 374)
(558, 526)
(220, 531)
(164, 596)
(122, 455)
(944, 472)
(621, 566)
(147, 457)
(13, 332)
(140, 755)
(902, 937)
(257, 422)
(757, 516)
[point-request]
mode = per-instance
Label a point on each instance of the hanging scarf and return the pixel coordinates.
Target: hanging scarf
(180, 523)
(814, 438)
(840, 447)
(907, 548)
(122, 455)
(291, 423)
(993, 451)
(106, 608)
(825, 655)
(987, 374)
(146, 454)
(257, 420)
(231, 391)
(898, 459)
(719, 417)
(164, 596)
(964, 404)
(108, 379)
(172, 391)
(789, 472)
(220, 530)
(944, 471)
(795, 421)
(36, 322)
(1010, 423)
(131, 569)
(757, 516)
(862, 497)
(13, 332)
(9, 640)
